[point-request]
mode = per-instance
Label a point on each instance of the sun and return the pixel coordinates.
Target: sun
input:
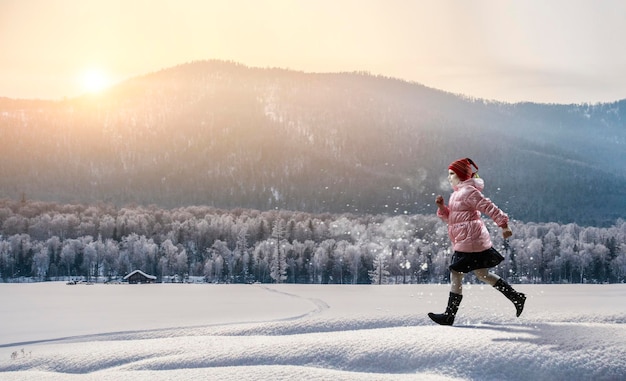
(94, 80)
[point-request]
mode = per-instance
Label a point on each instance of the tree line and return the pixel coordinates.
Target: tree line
(48, 241)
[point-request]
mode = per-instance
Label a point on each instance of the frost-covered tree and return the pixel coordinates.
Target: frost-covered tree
(90, 260)
(320, 258)
(167, 261)
(354, 263)
(278, 258)
(106, 227)
(221, 249)
(439, 265)
(278, 263)
(599, 259)
(39, 228)
(68, 256)
(583, 259)
(322, 248)
(137, 248)
(41, 261)
(619, 264)
(110, 261)
(6, 261)
(380, 273)
(218, 267)
(182, 267)
(535, 256)
(300, 262)
(339, 261)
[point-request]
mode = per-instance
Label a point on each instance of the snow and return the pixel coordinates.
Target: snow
(140, 272)
(52, 331)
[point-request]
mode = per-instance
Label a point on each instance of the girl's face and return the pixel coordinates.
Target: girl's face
(453, 179)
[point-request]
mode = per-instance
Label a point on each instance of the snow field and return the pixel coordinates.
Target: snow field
(308, 332)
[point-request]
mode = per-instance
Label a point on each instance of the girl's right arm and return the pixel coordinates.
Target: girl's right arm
(442, 211)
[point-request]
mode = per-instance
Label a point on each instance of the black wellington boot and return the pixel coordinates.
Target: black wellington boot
(447, 318)
(517, 298)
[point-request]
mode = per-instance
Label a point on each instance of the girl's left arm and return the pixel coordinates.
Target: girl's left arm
(486, 206)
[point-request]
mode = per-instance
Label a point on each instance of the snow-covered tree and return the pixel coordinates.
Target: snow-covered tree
(354, 264)
(6, 261)
(221, 249)
(619, 264)
(311, 248)
(90, 260)
(182, 267)
(380, 273)
(278, 261)
(68, 256)
(41, 261)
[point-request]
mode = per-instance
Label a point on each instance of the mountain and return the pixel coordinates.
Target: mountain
(223, 134)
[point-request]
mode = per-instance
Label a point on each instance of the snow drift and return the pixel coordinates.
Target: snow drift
(51, 331)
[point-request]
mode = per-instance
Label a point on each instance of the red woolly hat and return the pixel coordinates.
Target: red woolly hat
(463, 168)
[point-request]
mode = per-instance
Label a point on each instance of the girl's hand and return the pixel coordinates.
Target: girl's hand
(506, 232)
(439, 201)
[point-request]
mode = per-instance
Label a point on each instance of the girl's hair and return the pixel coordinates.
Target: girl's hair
(474, 174)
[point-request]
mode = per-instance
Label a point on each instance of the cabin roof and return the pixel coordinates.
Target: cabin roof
(140, 272)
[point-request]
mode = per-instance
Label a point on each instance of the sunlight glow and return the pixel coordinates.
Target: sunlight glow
(94, 80)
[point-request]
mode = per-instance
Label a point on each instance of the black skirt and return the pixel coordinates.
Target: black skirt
(466, 262)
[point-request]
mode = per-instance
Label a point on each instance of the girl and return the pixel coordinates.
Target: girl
(473, 250)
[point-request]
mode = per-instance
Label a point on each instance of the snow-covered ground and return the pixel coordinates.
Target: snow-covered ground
(52, 331)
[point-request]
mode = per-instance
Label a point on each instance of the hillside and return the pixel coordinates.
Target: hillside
(225, 135)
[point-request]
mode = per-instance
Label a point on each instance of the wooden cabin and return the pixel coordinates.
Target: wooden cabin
(139, 276)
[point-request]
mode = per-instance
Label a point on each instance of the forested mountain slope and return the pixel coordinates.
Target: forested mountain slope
(221, 134)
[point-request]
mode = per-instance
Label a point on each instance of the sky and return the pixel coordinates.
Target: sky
(197, 332)
(557, 51)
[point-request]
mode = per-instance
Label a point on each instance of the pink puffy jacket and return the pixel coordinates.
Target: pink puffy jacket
(465, 227)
